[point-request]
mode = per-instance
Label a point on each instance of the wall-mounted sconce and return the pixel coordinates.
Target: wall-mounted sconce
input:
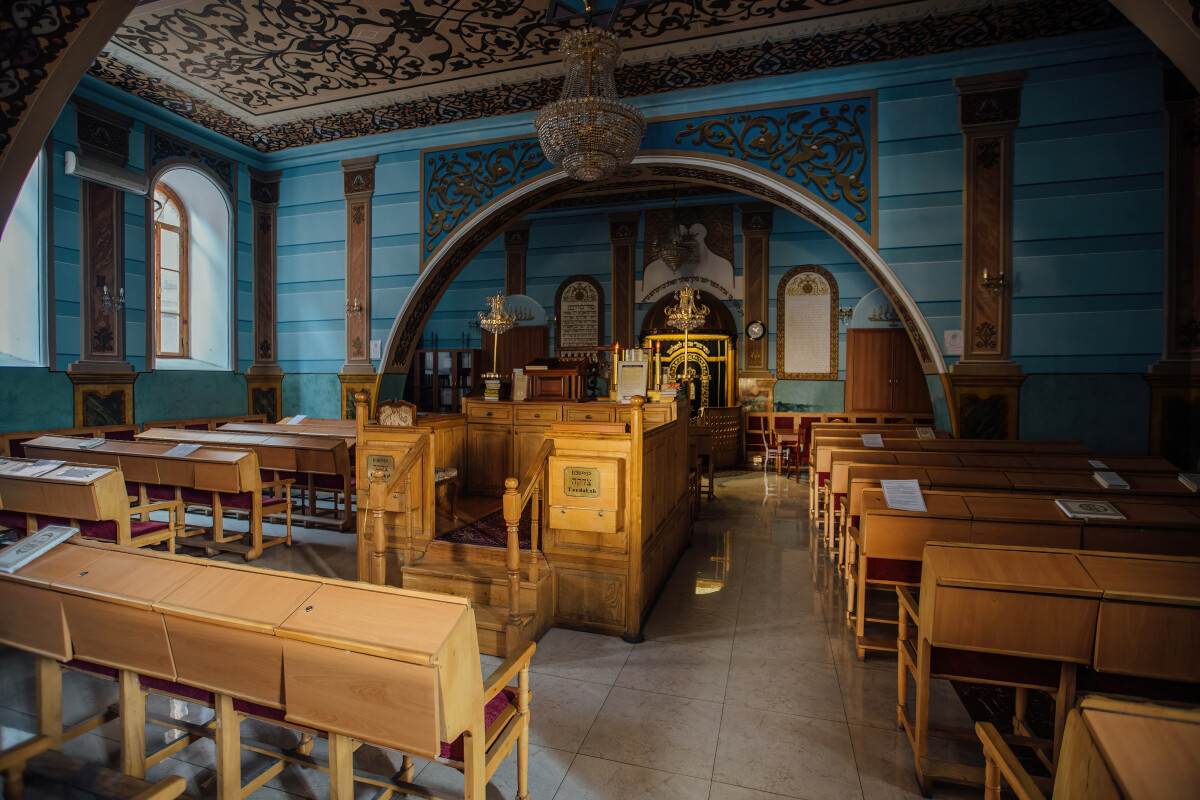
(108, 302)
(354, 309)
(845, 315)
(993, 282)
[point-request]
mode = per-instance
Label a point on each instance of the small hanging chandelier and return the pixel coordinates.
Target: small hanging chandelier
(687, 316)
(589, 132)
(677, 247)
(496, 321)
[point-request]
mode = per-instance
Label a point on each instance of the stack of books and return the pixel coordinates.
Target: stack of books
(491, 389)
(669, 391)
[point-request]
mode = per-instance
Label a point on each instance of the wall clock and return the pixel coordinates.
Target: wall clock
(755, 330)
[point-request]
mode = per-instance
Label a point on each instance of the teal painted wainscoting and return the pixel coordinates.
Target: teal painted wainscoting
(166, 395)
(312, 394)
(35, 399)
(1110, 413)
(814, 396)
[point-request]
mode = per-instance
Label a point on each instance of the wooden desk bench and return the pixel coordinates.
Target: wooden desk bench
(225, 481)
(12, 444)
(348, 661)
(203, 423)
(87, 497)
(1034, 619)
(281, 457)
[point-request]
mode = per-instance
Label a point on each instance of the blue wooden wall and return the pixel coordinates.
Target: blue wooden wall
(1088, 225)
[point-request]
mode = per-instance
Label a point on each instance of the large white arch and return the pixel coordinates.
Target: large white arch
(453, 253)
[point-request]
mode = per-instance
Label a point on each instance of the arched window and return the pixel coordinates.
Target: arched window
(193, 240)
(23, 275)
(170, 273)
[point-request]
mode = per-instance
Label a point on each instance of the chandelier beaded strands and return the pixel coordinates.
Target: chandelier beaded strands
(589, 132)
(687, 316)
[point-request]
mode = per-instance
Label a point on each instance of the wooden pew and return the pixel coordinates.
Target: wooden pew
(203, 423)
(284, 457)
(12, 443)
(888, 544)
(1112, 750)
(216, 478)
(349, 661)
(87, 497)
(1033, 619)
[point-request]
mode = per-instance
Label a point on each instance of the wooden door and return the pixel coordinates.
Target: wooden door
(910, 392)
(869, 369)
(489, 456)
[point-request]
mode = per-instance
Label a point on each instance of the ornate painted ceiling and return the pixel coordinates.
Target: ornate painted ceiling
(276, 74)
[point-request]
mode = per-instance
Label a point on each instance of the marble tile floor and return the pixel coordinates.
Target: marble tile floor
(747, 686)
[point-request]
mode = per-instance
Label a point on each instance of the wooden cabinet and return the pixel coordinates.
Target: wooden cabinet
(489, 449)
(882, 373)
(440, 379)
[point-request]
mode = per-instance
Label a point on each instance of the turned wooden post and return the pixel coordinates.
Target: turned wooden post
(534, 529)
(377, 565)
(523, 742)
(512, 518)
(408, 524)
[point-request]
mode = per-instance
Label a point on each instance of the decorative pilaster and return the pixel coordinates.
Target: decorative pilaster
(358, 184)
(757, 221)
(516, 246)
(1175, 379)
(986, 381)
(264, 378)
(622, 235)
(102, 135)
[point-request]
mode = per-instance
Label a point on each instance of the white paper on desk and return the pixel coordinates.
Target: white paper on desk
(79, 474)
(181, 450)
(20, 553)
(926, 433)
(1097, 464)
(903, 495)
(296, 420)
(88, 444)
(872, 440)
(37, 468)
(7, 465)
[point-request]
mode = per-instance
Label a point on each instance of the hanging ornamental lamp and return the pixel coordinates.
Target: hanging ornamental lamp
(589, 132)
(678, 246)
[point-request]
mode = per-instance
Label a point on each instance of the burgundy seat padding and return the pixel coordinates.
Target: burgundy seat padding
(178, 689)
(95, 669)
(328, 482)
(245, 500)
(157, 491)
(454, 751)
(105, 531)
(17, 447)
(131, 488)
(121, 436)
(199, 426)
(893, 569)
(993, 667)
(12, 519)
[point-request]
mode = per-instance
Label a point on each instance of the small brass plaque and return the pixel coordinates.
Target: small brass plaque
(385, 463)
(581, 481)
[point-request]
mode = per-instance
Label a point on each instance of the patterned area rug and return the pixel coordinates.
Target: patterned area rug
(490, 531)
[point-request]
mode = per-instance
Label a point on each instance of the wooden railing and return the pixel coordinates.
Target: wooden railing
(516, 496)
(400, 481)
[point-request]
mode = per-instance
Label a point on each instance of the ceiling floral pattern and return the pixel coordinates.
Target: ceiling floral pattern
(276, 75)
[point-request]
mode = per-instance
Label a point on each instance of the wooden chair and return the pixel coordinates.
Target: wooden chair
(401, 413)
(789, 447)
(1111, 750)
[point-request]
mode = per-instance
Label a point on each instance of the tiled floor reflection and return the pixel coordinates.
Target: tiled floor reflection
(746, 688)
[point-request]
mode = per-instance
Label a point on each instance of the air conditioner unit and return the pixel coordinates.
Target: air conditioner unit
(99, 172)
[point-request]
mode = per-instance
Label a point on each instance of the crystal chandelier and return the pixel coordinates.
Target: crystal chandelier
(589, 132)
(496, 321)
(678, 247)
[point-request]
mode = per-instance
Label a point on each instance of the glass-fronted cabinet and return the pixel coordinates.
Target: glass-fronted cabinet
(440, 379)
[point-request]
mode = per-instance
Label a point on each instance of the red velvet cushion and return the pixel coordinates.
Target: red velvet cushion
(156, 491)
(12, 519)
(893, 569)
(121, 436)
(199, 426)
(16, 447)
(178, 689)
(105, 531)
(454, 751)
(245, 500)
(95, 669)
(256, 710)
(328, 482)
(138, 528)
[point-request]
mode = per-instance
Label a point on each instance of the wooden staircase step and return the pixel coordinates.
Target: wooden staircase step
(475, 553)
(495, 618)
(480, 572)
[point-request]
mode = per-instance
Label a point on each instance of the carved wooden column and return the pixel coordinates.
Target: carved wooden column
(264, 379)
(986, 382)
(103, 379)
(756, 383)
(516, 246)
(1175, 379)
(358, 374)
(622, 234)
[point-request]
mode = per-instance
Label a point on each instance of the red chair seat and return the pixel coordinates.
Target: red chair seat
(453, 751)
(12, 519)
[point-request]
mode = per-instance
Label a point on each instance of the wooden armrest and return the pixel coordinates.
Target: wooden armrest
(17, 756)
(282, 482)
(907, 602)
(997, 751)
(166, 789)
(853, 532)
(504, 673)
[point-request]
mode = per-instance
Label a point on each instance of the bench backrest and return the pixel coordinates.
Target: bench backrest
(322, 456)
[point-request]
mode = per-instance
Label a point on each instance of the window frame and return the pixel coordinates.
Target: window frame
(184, 350)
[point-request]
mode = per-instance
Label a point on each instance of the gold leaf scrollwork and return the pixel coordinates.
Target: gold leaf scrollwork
(808, 283)
(827, 152)
(458, 183)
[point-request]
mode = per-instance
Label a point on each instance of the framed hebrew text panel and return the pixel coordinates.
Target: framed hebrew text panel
(806, 342)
